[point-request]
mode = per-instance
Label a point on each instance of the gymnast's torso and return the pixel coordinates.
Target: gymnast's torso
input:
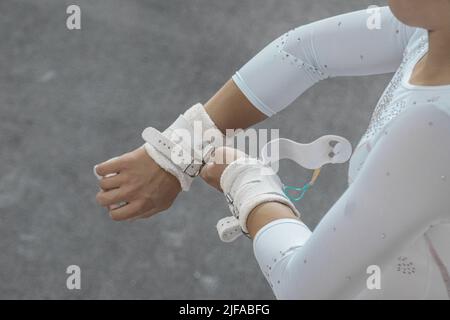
(395, 212)
(423, 266)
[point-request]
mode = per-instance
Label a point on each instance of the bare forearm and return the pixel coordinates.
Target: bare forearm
(266, 213)
(230, 109)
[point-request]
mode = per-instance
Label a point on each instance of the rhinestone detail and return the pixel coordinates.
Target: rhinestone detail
(385, 111)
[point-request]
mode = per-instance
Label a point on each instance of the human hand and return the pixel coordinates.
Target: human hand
(221, 158)
(137, 180)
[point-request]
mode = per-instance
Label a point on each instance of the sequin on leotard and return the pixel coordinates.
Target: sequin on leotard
(385, 111)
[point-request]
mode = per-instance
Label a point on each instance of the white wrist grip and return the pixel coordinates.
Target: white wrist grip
(245, 187)
(184, 147)
(249, 182)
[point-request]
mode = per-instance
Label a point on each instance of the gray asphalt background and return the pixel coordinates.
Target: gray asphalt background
(71, 99)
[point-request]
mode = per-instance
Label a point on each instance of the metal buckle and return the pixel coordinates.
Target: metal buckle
(194, 173)
(229, 198)
(231, 205)
(192, 165)
(246, 234)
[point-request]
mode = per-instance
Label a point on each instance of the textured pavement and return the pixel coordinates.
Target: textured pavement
(71, 99)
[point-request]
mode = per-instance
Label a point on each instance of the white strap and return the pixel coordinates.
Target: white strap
(188, 161)
(175, 151)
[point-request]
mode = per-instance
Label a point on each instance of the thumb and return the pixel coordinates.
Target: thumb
(205, 172)
(210, 173)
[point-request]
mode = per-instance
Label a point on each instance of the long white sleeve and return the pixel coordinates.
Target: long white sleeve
(402, 189)
(344, 45)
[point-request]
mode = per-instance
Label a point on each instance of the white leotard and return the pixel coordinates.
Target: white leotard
(395, 214)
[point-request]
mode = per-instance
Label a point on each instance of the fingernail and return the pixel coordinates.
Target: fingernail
(114, 206)
(110, 175)
(95, 172)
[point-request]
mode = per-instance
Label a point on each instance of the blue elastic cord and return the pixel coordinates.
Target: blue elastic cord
(301, 190)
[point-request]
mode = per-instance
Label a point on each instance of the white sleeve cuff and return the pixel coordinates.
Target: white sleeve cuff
(252, 97)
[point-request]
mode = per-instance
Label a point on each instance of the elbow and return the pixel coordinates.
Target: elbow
(283, 285)
(297, 49)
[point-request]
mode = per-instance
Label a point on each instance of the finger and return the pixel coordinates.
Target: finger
(107, 198)
(205, 171)
(147, 214)
(131, 210)
(110, 166)
(108, 183)
(117, 205)
(211, 175)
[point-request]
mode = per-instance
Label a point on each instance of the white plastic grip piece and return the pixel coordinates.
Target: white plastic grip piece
(324, 150)
(229, 229)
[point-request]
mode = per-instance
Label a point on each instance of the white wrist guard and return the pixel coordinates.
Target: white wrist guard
(247, 183)
(186, 145)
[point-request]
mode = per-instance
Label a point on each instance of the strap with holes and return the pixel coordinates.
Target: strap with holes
(186, 145)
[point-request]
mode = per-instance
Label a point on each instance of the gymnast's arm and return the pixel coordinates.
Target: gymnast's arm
(400, 192)
(343, 45)
(275, 77)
